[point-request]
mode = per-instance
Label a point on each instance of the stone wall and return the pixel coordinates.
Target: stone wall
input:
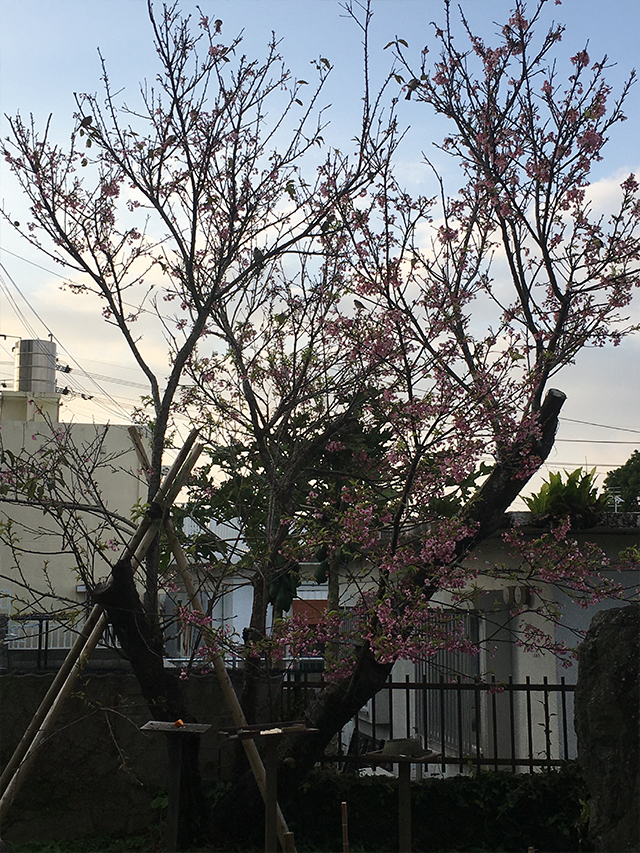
(607, 719)
(99, 773)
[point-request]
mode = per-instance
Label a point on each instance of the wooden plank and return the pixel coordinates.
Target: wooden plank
(279, 730)
(259, 727)
(162, 726)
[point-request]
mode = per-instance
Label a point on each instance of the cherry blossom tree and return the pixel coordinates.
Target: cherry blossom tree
(181, 208)
(372, 370)
(190, 211)
(470, 354)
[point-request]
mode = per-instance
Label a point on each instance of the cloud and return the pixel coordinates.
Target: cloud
(605, 194)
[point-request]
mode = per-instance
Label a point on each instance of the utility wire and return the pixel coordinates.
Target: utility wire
(604, 426)
(32, 331)
(595, 441)
(71, 281)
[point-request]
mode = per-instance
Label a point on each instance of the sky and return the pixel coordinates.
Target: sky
(49, 50)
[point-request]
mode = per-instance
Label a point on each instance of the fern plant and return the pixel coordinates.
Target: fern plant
(576, 498)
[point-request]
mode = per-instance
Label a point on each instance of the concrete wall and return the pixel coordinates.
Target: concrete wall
(98, 773)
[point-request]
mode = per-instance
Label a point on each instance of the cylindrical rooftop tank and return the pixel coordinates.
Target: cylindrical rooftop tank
(35, 367)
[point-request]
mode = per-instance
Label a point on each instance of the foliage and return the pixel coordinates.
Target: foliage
(575, 498)
(501, 811)
(623, 484)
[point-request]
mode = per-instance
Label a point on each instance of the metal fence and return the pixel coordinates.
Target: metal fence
(478, 724)
(42, 633)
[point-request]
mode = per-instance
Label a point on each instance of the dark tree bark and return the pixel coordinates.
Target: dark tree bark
(140, 642)
(162, 690)
(339, 702)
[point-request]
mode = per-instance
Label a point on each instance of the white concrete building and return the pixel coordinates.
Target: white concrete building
(43, 574)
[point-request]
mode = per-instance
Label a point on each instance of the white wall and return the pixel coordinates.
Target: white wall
(42, 559)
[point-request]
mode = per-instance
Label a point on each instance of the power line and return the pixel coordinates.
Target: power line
(71, 281)
(595, 441)
(604, 426)
(34, 334)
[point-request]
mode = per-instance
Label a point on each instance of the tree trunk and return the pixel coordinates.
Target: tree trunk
(254, 670)
(162, 690)
(339, 702)
(329, 712)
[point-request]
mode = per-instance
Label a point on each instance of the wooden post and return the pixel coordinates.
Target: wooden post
(272, 737)
(175, 733)
(228, 691)
(404, 760)
(345, 829)
(174, 750)
(404, 806)
(271, 794)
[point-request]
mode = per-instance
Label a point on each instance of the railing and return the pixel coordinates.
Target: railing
(40, 634)
(43, 633)
(465, 724)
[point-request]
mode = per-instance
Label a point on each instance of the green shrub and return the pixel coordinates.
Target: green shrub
(490, 811)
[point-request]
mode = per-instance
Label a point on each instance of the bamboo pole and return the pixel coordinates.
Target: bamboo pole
(42, 732)
(46, 715)
(179, 472)
(228, 691)
(54, 688)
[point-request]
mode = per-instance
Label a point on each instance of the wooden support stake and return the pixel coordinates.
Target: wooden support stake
(174, 749)
(404, 806)
(228, 691)
(271, 795)
(43, 730)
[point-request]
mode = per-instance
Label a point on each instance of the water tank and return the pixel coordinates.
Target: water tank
(35, 367)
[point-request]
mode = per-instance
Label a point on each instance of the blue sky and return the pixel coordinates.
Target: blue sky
(48, 50)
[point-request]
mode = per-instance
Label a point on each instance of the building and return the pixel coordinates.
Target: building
(51, 553)
(507, 701)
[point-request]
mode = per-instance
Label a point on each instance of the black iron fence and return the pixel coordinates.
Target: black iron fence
(465, 724)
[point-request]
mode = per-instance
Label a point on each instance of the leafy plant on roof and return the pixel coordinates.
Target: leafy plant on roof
(575, 498)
